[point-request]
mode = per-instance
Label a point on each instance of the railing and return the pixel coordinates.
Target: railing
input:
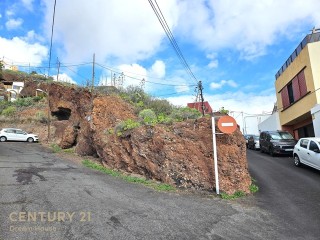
(313, 37)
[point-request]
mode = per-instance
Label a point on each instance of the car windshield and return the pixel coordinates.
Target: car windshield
(281, 135)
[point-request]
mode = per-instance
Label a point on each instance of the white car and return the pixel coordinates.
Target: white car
(307, 151)
(14, 134)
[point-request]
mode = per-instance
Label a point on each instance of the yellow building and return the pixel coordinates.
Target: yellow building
(297, 87)
(8, 66)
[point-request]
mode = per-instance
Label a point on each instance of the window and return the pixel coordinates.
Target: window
(281, 135)
(313, 146)
(294, 90)
(290, 93)
(19, 132)
(302, 83)
(285, 97)
(304, 143)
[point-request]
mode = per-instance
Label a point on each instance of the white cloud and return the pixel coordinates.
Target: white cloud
(12, 24)
(32, 37)
(217, 85)
(158, 69)
(121, 30)
(246, 25)
(28, 4)
(134, 73)
(64, 78)
(213, 60)
(21, 51)
(213, 64)
(9, 12)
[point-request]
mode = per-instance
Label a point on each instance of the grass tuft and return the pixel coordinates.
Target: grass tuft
(236, 195)
(132, 179)
(253, 188)
(56, 148)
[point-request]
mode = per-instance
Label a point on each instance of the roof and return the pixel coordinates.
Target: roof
(198, 106)
(310, 38)
(312, 138)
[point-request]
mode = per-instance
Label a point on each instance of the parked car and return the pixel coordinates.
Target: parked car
(307, 151)
(247, 136)
(253, 142)
(14, 134)
(276, 142)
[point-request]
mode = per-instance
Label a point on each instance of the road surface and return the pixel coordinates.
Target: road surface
(43, 196)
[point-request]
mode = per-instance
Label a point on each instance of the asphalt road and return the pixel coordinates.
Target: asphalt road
(291, 193)
(45, 197)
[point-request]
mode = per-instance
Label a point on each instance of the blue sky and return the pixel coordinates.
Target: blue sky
(234, 47)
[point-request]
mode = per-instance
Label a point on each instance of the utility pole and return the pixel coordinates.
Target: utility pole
(58, 69)
(92, 85)
(200, 87)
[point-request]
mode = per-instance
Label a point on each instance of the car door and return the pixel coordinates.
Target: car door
(314, 155)
(20, 135)
(10, 135)
(303, 150)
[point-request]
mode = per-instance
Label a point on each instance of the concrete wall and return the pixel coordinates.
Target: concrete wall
(315, 111)
(271, 123)
(314, 54)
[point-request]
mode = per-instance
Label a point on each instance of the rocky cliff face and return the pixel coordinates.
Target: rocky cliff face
(180, 154)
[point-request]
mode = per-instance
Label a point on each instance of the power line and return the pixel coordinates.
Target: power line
(172, 93)
(52, 26)
(171, 38)
(138, 79)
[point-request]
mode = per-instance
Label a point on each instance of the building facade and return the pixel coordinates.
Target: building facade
(198, 105)
(297, 87)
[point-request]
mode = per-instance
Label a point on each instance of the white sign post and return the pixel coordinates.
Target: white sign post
(216, 174)
(228, 125)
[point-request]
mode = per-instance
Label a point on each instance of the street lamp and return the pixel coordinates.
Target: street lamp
(49, 113)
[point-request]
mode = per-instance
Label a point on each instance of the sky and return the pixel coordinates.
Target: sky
(234, 48)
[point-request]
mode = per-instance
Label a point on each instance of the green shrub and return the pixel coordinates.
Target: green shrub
(37, 98)
(24, 102)
(162, 118)
(42, 117)
(126, 125)
(160, 106)
(185, 113)
(4, 105)
(148, 117)
(9, 111)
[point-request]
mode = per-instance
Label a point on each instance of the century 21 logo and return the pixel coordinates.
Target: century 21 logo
(50, 216)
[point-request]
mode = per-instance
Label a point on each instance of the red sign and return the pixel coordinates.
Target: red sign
(227, 124)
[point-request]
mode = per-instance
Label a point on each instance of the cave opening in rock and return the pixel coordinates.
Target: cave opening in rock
(62, 113)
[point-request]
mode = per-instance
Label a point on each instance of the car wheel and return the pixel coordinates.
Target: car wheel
(297, 161)
(3, 139)
(271, 152)
(30, 140)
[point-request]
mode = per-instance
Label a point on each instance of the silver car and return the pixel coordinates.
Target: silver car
(307, 151)
(14, 134)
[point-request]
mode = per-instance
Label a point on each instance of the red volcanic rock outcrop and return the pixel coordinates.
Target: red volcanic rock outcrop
(180, 154)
